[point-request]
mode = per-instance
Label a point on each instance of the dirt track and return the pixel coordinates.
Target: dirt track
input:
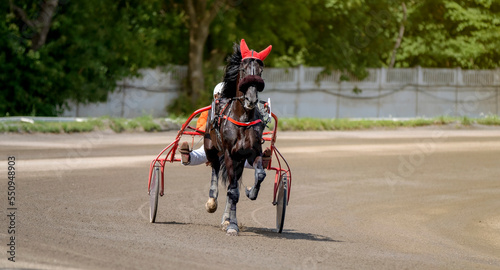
(417, 198)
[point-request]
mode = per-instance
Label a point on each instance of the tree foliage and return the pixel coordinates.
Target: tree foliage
(447, 33)
(351, 35)
(91, 45)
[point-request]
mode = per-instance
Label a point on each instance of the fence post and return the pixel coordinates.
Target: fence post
(496, 77)
(122, 108)
(420, 81)
(382, 78)
(498, 99)
(382, 81)
(420, 76)
(458, 81)
(300, 77)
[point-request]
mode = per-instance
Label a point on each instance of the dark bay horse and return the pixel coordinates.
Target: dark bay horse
(234, 133)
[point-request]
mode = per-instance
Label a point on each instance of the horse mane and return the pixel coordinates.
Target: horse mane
(231, 72)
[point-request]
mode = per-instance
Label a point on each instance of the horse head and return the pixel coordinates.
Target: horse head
(250, 82)
(250, 72)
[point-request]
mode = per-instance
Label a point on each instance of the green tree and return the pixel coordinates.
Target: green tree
(282, 23)
(447, 33)
(351, 35)
(197, 16)
(89, 46)
(261, 23)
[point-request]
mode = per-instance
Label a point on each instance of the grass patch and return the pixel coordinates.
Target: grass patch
(133, 125)
(85, 126)
(41, 127)
(466, 121)
(490, 120)
(418, 122)
(338, 124)
(118, 125)
(149, 124)
(444, 120)
(51, 127)
(302, 124)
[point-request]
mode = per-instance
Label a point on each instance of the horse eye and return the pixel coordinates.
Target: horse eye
(260, 62)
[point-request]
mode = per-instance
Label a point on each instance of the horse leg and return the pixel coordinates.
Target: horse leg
(225, 217)
(227, 209)
(211, 204)
(260, 174)
(226, 175)
(213, 194)
(233, 196)
(234, 173)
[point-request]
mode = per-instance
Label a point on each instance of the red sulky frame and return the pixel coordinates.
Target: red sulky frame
(169, 152)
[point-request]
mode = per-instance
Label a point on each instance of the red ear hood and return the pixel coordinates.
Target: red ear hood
(247, 53)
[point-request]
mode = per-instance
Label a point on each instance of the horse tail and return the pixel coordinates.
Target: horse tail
(223, 171)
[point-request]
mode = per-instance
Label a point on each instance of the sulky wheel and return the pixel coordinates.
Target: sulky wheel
(154, 192)
(281, 202)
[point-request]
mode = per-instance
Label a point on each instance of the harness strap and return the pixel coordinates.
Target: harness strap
(242, 124)
(221, 112)
(217, 124)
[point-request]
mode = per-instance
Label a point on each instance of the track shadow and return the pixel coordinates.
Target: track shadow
(172, 223)
(270, 233)
(289, 234)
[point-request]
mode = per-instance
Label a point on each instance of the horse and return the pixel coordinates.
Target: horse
(234, 131)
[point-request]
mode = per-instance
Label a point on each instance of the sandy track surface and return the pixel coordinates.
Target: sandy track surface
(417, 198)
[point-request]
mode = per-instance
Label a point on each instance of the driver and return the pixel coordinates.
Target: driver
(198, 156)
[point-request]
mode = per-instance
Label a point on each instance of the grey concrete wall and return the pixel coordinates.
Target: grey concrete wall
(299, 92)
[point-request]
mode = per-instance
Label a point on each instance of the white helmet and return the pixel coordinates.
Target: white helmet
(218, 88)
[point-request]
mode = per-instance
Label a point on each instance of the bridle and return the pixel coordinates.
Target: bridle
(253, 70)
(256, 69)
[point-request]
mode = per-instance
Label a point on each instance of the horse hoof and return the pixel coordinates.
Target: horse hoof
(224, 225)
(232, 230)
(251, 193)
(247, 191)
(211, 205)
